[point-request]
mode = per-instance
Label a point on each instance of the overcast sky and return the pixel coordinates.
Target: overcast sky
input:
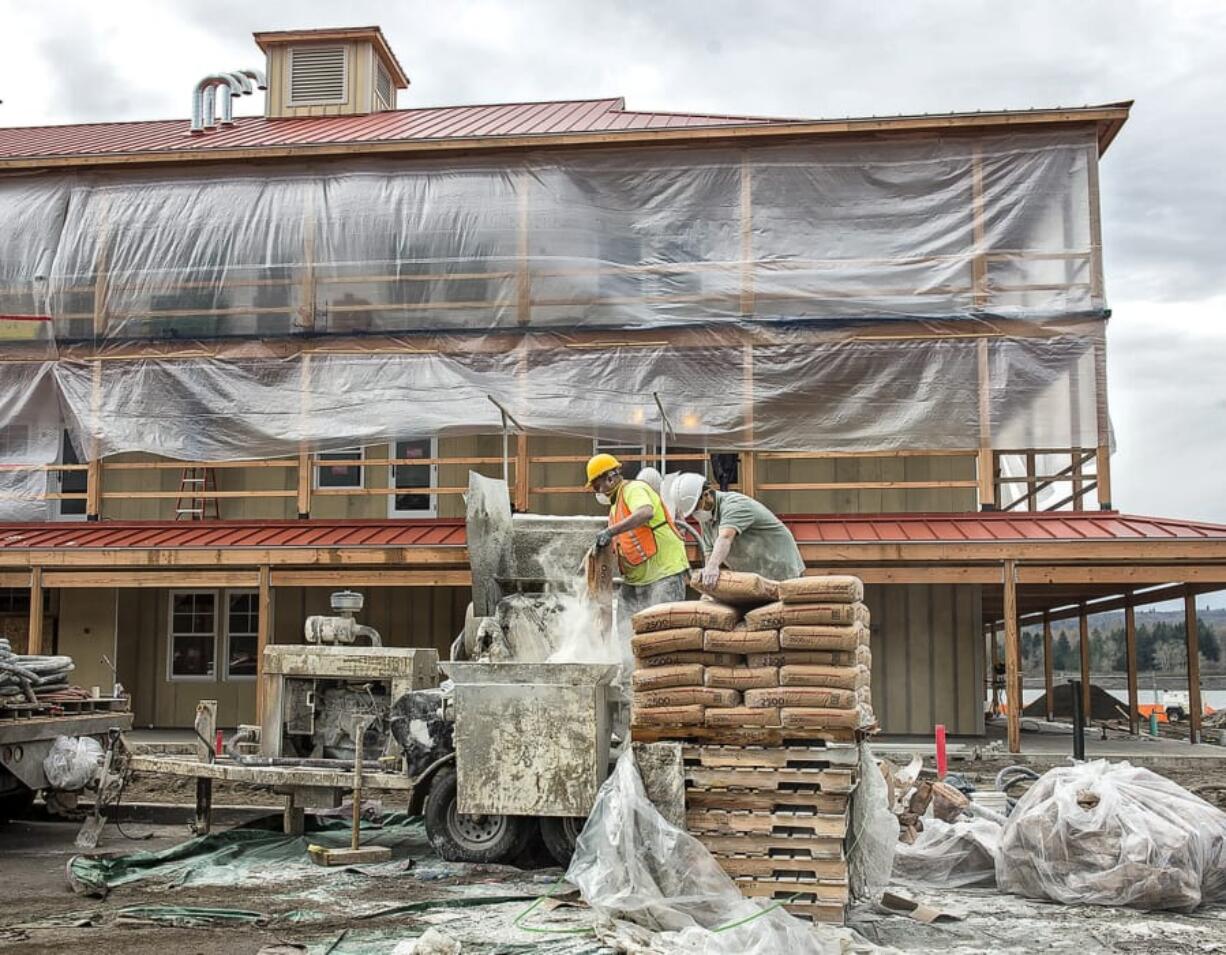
(1163, 181)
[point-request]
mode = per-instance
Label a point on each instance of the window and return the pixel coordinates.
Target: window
(414, 476)
(193, 635)
(71, 482)
(317, 74)
(339, 475)
(242, 632)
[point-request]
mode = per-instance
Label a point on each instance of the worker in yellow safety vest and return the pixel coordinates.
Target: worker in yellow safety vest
(650, 552)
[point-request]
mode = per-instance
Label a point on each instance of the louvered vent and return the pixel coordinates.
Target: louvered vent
(383, 87)
(317, 75)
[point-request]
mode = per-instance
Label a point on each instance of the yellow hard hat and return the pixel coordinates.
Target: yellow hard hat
(600, 464)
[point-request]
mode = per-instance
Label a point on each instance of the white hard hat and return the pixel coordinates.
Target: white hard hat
(651, 477)
(682, 493)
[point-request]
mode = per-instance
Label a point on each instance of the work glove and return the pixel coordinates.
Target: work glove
(710, 575)
(603, 539)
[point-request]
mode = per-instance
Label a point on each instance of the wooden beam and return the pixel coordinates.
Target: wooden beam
(263, 632)
(748, 461)
(34, 642)
(371, 578)
(16, 579)
(1013, 661)
(93, 477)
(1048, 667)
(523, 474)
(979, 263)
(1195, 707)
(148, 558)
(1121, 573)
(747, 262)
(1141, 598)
(305, 483)
(523, 271)
(1084, 626)
(937, 573)
(84, 579)
(1130, 665)
(985, 463)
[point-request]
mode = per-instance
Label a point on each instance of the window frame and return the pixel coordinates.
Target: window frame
(432, 510)
(215, 677)
(351, 454)
(229, 634)
(55, 484)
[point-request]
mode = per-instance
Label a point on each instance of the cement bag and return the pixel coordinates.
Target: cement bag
(630, 863)
(737, 587)
(684, 614)
(834, 589)
(1113, 834)
(950, 855)
(73, 762)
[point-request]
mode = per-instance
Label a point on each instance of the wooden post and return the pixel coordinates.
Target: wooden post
(1195, 709)
(263, 634)
(985, 463)
(523, 465)
(1097, 292)
(34, 644)
(1102, 464)
(1013, 659)
(523, 275)
(1048, 681)
(307, 289)
(749, 462)
(93, 477)
(1032, 487)
(994, 655)
(101, 263)
(304, 483)
(1084, 621)
(979, 262)
(306, 474)
(1130, 655)
(747, 268)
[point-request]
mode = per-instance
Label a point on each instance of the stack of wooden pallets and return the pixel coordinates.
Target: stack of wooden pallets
(766, 687)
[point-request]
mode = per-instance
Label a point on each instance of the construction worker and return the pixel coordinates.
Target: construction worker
(650, 553)
(736, 531)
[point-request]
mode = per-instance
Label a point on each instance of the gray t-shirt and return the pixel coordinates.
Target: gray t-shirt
(763, 544)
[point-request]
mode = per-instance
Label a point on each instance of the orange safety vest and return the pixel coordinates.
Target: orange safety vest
(637, 546)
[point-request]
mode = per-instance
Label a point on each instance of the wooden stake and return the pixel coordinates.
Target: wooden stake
(34, 644)
(263, 633)
(1048, 682)
(1195, 708)
(1013, 660)
(1085, 663)
(1130, 655)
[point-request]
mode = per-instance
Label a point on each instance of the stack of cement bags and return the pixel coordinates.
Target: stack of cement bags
(756, 653)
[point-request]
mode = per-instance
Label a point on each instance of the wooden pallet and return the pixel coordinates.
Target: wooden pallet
(826, 914)
(771, 780)
(798, 891)
(777, 824)
(825, 756)
(739, 801)
(745, 735)
(767, 846)
(26, 710)
(816, 870)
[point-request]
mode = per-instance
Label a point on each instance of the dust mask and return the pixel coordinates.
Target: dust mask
(603, 499)
(702, 516)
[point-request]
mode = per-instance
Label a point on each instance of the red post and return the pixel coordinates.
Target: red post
(942, 756)
(218, 749)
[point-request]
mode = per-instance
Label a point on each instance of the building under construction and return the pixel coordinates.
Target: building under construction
(248, 361)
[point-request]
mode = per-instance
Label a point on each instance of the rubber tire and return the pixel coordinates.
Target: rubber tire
(510, 838)
(16, 805)
(1174, 714)
(560, 834)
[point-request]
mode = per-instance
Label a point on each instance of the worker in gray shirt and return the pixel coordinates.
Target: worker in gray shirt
(737, 532)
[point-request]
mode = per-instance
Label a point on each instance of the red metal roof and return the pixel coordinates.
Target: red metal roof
(808, 529)
(429, 123)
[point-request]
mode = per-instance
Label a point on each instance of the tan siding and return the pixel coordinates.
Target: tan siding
(361, 96)
(927, 658)
(86, 632)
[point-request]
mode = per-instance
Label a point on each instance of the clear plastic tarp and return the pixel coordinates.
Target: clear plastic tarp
(836, 296)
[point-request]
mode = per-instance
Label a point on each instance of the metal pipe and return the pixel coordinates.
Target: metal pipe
(261, 83)
(204, 98)
(343, 765)
(240, 85)
(371, 632)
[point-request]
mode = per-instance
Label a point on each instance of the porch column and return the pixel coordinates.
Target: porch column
(1084, 621)
(1013, 660)
(263, 631)
(1130, 654)
(34, 644)
(1048, 667)
(1193, 641)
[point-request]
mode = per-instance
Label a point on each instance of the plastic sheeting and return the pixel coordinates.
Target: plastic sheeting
(614, 238)
(631, 863)
(873, 836)
(73, 762)
(1100, 833)
(950, 855)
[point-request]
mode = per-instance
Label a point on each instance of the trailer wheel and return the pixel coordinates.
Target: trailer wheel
(560, 834)
(458, 837)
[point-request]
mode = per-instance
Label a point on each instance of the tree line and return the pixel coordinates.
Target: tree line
(1160, 646)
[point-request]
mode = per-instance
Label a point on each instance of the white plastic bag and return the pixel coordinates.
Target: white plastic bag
(73, 762)
(1113, 834)
(631, 863)
(951, 855)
